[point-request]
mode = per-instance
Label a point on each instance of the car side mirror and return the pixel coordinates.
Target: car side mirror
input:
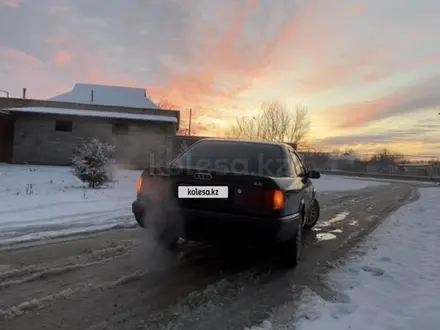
(314, 174)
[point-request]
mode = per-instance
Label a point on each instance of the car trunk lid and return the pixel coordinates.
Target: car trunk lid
(247, 194)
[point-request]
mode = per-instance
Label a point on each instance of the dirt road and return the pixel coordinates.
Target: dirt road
(118, 280)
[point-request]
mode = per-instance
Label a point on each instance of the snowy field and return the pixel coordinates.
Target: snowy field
(48, 201)
(394, 286)
(433, 182)
(333, 183)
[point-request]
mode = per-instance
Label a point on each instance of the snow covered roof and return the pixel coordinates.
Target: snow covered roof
(102, 114)
(106, 96)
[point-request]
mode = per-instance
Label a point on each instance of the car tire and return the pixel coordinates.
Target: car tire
(139, 219)
(312, 215)
(290, 251)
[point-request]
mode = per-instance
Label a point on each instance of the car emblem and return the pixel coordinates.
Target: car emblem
(202, 176)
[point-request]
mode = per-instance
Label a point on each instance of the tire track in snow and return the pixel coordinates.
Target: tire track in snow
(31, 274)
(22, 282)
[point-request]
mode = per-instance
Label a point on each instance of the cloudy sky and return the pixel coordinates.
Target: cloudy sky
(368, 70)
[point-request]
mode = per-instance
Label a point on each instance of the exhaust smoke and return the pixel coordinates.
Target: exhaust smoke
(163, 219)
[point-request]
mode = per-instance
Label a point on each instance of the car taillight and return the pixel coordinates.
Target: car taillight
(261, 199)
(278, 200)
(139, 185)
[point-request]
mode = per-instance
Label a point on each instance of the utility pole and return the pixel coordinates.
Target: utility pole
(190, 119)
(6, 92)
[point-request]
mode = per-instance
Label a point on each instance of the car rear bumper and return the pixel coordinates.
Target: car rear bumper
(225, 227)
(215, 227)
(139, 208)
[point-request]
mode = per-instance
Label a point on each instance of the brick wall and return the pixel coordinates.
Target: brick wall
(37, 142)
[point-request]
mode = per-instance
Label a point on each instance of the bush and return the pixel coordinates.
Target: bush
(92, 162)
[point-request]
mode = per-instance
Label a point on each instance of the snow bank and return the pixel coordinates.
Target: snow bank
(45, 201)
(340, 183)
(396, 285)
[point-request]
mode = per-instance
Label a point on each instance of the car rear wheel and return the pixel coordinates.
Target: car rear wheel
(312, 216)
(290, 251)
(140, 220)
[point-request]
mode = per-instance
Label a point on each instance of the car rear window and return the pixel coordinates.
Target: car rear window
(236, 157)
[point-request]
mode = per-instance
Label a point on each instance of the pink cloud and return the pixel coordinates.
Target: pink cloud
(419, 96)
(359, 8)
(63, 58)
(349, 70)
(356, 115)
(227, 56)
(434, 59)
(47, 79)
(11, 3)
(26, 71)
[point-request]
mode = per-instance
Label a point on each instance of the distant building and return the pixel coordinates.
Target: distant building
(342, 162)
(416, 169)
(141, 132)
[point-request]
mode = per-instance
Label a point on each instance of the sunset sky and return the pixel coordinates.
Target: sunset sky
(368, 70)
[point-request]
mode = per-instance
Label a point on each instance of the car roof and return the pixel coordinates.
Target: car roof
(279, 144)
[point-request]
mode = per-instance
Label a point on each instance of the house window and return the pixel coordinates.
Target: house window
(63, 125)
(120, 129)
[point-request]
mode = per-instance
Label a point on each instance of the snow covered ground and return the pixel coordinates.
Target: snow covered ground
(48, 201)
(430, 183)
(394, 286)
(328, 183)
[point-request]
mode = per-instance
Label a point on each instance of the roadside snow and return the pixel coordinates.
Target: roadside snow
(339, 183)
(433, 182)
(48, 201)
(396, 285)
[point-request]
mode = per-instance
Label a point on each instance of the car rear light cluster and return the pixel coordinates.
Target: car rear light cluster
(262, 200)
(139, 185)
(152, 187)
(278, 200)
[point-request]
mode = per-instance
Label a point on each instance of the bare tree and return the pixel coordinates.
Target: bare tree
(164, 104)
(275, 123)
(349, 151)
(386, 157)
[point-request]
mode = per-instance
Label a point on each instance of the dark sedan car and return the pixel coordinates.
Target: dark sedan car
(231, 191)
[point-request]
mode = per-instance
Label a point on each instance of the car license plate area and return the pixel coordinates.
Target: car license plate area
(202, 192)
(208, 201)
